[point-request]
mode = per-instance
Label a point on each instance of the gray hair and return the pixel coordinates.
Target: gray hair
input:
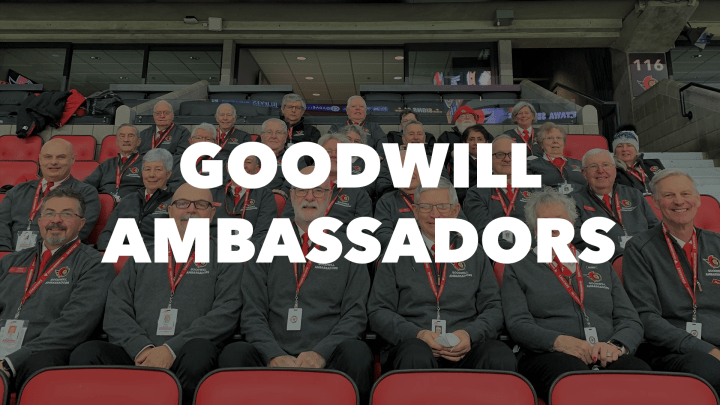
(358, 130)
(444, 184)
(547, 127)
(275, 120)
(127, 125)
(164, 102)
(226, 105)
(503, 136)
(205, 127)
(69, 193)
(340, 137)
(360, 97)
(413, 122)
(291, 98)
(593, 152)
(665, 173)
(159, 155)
(546, 197)
(519, 106)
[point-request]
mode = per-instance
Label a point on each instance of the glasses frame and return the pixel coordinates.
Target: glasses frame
(194, 203)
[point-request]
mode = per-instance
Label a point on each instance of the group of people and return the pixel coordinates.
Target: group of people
(191, 317)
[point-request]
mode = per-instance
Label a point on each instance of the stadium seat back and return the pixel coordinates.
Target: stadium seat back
(617, 265)
(101, 385)
(391, 108)
(83, 146)
(80, 170)
(422, 97)
(268, 386)
(198, 108)
(4, 386)
(131, 95)
(108, 148)
(499, 270)
(631, 388)
(227, 96)
(152, 96)
(107, 205)
(708, 214)
(383, 97)
(468, 387)
(500, 95)
(13, 97)
(14, 148)
(17, 171)
(280, 202)
(577, 145)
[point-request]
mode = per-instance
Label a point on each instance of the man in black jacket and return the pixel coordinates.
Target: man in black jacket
(463, 118)
(292, 110)
(120, 175)
(357, 114)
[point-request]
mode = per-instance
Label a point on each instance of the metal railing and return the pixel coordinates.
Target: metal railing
(689, 114)
(614, 104)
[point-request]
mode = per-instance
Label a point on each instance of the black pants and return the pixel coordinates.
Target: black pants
(196, 358)
(700, 364)
(352, 357)
(36, 362)
(543, 368)
(415, 354)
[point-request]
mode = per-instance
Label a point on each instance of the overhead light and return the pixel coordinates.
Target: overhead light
(190, 19)
(399, 57)
(126, 78)
(316, 94)
(194, 58)
(697, 56)
(95, 57)
(212, 78)
(309, 78)
(301, 58)
(504, 18)
(397, 77)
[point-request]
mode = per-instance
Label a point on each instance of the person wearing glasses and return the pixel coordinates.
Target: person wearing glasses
(172, 315)
(558, 171)
(292, 109)
(275, 134)
(567, 316)
(357, 115)
(305, 315)
(228, 137)
(482, 205)
(626, 206)
(120, 175)
(202, 133)
(51, 295)
(145, 204)
(410, 300)
(20, 208)
(165, 133)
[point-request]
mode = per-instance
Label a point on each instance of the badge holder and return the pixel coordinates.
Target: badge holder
(26, 239)
(439, 326)
(694, 329)
(167, 321)
(508, 236)
(12, 334)
(294, 321)
(624, 240)
(565, 188)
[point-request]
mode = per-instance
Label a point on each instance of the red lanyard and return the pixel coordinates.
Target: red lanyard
(581, 288)
(173, 276)
(407, 202)
(119, 174)
(531, 140)
(507, 209)
(679, 269)
(440, 287)
(35, 206)
(329, 207)
(30, 289)
(616, 200)
(639, 174)
(245, 202)
(560, 169)
(164, 134)
(290, 131)
(224, 141)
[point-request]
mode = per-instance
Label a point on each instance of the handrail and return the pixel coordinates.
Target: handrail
(689, 114)
(596, 100)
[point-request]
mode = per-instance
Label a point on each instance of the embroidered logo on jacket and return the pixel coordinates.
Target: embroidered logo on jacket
(251, 202)
(588, 208)
(526, 194)
(344, 198)
(596, 277)
(460, 266)
(626, 203)
(233, 140)
(162, 207)
(356, 168)
(134, 170)
(62, 272)
(168, 139)
(713, 261)
(18, 270)
(654, 168)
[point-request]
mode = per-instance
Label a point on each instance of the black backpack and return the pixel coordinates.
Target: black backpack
(103, 103)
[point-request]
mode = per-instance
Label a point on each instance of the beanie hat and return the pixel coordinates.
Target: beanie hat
(626, 137)
(464, 110)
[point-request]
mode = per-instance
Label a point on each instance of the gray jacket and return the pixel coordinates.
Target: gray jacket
(176, 141)
(103, 177)
(551, 177)
(350, 203)
(260, 211)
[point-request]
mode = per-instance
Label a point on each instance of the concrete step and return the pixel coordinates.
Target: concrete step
(707, 181)
(673, 155)
(704, 172)
(686, 164)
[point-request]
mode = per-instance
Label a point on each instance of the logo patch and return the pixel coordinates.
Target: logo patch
(356, 167)
(344, 198)
(588, 208)
(233, 140)
(716, 281)
(626, 203)
(713, 261)
(162, 207)
(526, 194)
(17, 270)
(575, 167)
(62, 272)
(168, 139)
(200, 265)
(654, 168)
(460, 266)
(596, 277)
(251, 202)
(134, 170)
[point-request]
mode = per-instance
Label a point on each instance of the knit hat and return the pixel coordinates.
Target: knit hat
(626, 137)
(464, 110)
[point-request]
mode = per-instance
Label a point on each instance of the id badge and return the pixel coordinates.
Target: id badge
(623, 240)
(26, 239)
(508, 236)
(294, 318)
(166, 322)
(12, 336)
(591, 335)
(694, 329)
(116, 196)
(565, 188)
(438, 326)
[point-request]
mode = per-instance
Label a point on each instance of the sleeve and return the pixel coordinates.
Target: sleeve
(6, 221)
(314, 133)
(268, 211)
(219, 323)
(95, 177)
(184, 141)
(383, 183)
(642, 290)
(254, 323)
(92, 210)
(364, 206)
(383, 213)
(80, 315)
(353, 318)
(489, 321)
(476, 207)
(119, 323)
(176, 179)
(627, 327)
(519, 320)
(383, 307)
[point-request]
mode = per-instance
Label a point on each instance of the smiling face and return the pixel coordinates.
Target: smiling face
(274, 136)
(202, 135)
(503, 165)
(426, 220)
(413, 134)
(354, 137)
(56, 159)
(163, 115)
(225, 118)
(407, 118)
(357, 110)
(600, 171)
(56, 230)
(677, 200)
(181, 216)
(155, 176)
(626, 152)
(127, 140)
(553, 143)
(524, 117)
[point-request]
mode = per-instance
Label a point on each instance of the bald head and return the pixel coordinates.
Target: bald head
(181, 213)
(56, 159)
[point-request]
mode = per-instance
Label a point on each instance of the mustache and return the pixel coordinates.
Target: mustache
(56, 226)
(188, 216)
(309, 204)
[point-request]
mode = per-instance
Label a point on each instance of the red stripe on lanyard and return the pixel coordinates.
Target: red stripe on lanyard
(616, 199)
(175, 278)
(560, 169)
(640, 175)
(227, 137)
(441, 281)
(679, 269)
(30, 289)
(407, 200)
(531, 140)
(306, 271)
(568, 287)
(119, 174)
(157, 143)
(245, 202)
(507, 210)
(35, 206)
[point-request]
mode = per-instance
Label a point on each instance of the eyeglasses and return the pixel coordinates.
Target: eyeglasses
(316, 192)
(65, 215)
(501, 155)
(293, 108)
(161, 113)
(444, 208)
(276, 133)
(199, 204)
(201, 139)
(595, 167)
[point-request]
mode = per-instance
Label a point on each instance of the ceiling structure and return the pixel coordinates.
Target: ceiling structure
(689, 64)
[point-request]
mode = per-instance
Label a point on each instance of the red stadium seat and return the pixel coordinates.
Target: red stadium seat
(83, 145)
(4, 386)
(617, 265)
(14, 148)
(577, 145)
(107, 205)
(15, 172)
(452, 387)
(649, 199)
(120, 263)
(2, 196)
(260, 386)
(499, 270)
(81, 169)
(254, 137)
(2, 254)
(280, 202)
(625, 388)
(708, 215)
(101, 385)
(108, 148)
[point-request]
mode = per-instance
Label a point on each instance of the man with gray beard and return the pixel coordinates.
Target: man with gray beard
(51, 295)
(464, 118)
(321, 326)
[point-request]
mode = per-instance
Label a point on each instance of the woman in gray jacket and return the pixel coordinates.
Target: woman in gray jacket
(567, 316)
